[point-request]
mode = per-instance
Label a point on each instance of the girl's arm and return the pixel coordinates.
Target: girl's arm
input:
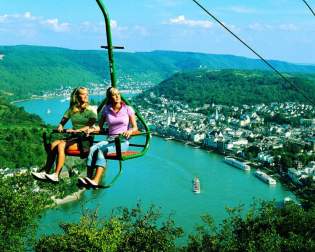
(134, 127)
(62, 123)
(96, 129)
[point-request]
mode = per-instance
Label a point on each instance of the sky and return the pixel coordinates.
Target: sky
(276, 29)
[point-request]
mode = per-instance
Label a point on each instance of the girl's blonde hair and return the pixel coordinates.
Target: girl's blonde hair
(109, 92)
(76, 104)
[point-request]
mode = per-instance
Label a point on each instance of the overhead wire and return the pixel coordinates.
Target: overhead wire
(309, 7)
(257, 54)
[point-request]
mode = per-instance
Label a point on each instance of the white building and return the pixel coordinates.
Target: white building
(295, 175)
(265, 157)
(197, 138)
(240, 141)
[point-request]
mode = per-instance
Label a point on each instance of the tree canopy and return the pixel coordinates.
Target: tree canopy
(264, 227)
(234, 87)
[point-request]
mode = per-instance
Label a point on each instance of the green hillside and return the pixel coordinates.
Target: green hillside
(234, 87)
(20, 137)
(27, 70)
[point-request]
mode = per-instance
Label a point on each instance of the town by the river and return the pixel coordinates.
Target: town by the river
(162, 177)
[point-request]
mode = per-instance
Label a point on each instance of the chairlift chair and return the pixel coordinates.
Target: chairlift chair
(137, 149)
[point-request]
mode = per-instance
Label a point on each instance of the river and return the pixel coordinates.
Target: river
(162, 177)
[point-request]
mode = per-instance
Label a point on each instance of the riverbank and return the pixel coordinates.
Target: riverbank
(69, 198)
(37, 98)
(283, 179)
(67, 95)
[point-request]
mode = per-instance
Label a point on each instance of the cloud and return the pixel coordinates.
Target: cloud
(181, 20)
(260, 27)
(56, 26)
(278, 27)
(113, 24)
(88, 26)
(3, 18)
(116, 27)
(288, 27)
(99, 27)
(232, 27)
(28, 15)
(24, 20)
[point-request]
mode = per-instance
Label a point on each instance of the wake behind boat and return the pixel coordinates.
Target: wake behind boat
(196, 185)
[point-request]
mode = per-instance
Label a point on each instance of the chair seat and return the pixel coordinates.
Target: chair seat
(76, 152)
(124, 154)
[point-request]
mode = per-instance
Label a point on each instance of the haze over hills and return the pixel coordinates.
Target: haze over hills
(27, 70)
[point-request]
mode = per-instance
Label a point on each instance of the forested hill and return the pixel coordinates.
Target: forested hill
(27, 70)
(233, 87)
(12, 116)
(20, 137)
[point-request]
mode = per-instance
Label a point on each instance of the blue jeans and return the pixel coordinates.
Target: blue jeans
(102, 149)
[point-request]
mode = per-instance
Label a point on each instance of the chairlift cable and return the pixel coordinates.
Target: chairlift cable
(308, 6)
(257, 54)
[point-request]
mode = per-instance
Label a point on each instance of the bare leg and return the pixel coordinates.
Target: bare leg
(99, 173)
(51, 156)
(61, 157)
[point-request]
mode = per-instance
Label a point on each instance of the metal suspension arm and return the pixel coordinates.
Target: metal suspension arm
(109, 43)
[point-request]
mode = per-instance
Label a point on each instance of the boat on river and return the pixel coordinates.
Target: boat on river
(196, 185)
(65, 99)
(169, 138)
(236, 163)
(265, 177)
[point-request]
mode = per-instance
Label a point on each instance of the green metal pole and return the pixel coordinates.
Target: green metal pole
(113, 76)
(109, 43)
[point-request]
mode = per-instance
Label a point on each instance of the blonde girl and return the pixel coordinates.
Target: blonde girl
(82, 117)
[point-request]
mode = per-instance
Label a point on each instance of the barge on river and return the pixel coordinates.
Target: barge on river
(236, 163)
(265, 177)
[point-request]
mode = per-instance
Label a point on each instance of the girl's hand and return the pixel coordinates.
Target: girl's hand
(60, 128)
(127, 133)
(72, 131)
(89, 130)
